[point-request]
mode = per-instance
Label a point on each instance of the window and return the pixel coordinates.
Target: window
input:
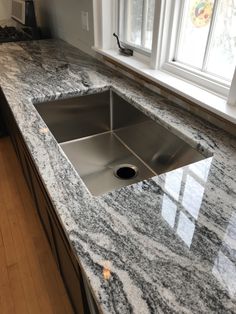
(204, 37)
(136, 23)
(192, 40)
(207, 37)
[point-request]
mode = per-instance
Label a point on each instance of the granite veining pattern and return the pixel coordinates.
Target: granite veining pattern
(164, 245)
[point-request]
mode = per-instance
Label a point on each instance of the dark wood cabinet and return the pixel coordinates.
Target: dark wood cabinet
(3, 130)
(43, 206)
(60, 246)
(67, 265)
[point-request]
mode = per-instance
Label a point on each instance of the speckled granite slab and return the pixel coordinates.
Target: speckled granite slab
(165, 245)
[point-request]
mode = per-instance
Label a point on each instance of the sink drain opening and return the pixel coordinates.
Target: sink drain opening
(126, 172)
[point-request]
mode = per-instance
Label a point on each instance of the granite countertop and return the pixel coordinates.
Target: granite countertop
(169, 242)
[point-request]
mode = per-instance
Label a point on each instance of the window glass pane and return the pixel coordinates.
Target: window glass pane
(137, 18)
(222, 56)
(194, 32)
(149, 26)
(134, 21)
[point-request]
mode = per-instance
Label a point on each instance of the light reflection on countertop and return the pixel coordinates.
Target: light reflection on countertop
(225, 263)
(182, 198)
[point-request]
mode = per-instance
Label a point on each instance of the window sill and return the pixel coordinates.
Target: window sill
(195, 94)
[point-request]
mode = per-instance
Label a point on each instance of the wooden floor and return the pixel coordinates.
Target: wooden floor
(29, 280)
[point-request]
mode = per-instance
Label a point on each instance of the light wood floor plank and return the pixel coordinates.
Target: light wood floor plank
(17, 291)
(12, 206)
(6, 297)
(4, 221)
(27, 227)
(32, 283)
(1, 240)
(43, 265)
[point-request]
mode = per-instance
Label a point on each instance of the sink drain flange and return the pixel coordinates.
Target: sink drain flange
(125, 171)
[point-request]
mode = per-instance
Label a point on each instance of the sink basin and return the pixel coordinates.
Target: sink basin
(112, 144)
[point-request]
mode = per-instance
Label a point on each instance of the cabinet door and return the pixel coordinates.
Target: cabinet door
(70, 273)
(43, 207)
(22, 157)
(3, 129)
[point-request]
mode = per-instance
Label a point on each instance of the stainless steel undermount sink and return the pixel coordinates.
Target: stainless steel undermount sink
(112, 144)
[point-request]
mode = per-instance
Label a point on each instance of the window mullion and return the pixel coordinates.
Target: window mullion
(182, 13)
(157, 33)
(210, 35)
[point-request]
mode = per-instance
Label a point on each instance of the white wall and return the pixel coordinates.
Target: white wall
(5, 9)
(63, 18)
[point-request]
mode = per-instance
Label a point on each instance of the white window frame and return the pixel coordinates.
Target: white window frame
(158, 64)
(203, 79)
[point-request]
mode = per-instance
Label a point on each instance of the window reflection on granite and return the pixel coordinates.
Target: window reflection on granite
(183, 193)
(192, 197)
(230, 236)
(225, 272)
(173, 183)
(169, 209)
(185, 228)
(225, 266)
(182, 198)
